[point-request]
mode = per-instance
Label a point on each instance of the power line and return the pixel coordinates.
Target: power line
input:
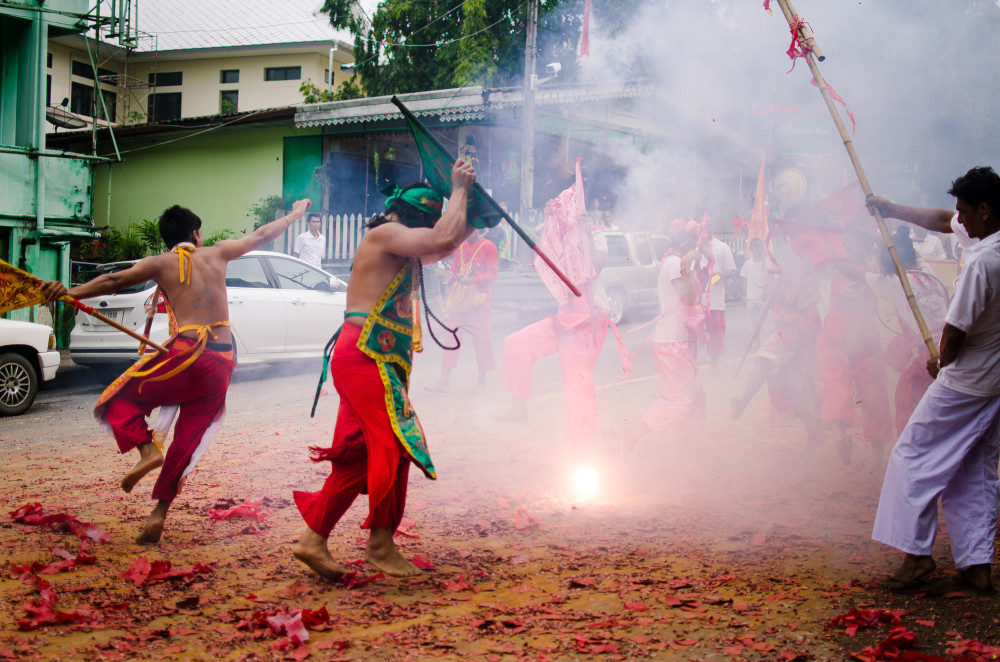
(444, 43)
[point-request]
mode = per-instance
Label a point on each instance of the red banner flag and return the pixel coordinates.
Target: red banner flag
(758, 219)
(585, 39)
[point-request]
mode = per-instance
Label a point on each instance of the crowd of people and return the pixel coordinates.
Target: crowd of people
(811, 293)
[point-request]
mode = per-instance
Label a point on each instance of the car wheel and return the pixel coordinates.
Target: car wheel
(616, 305)
(18, 384)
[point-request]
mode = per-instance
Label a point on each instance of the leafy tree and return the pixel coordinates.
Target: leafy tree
(262, 211)
(349, 89)
(412, 46)
(312, 94)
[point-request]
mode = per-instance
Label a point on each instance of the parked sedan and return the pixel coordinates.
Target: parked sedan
(28, 355)
(280, 309)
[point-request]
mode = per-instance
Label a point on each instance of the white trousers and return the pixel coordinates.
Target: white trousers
(949, 449)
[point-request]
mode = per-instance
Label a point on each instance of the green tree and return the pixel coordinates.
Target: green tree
(412, 46)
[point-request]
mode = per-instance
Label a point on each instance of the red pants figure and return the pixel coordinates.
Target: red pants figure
(715, 323)
(845, 375)
(199, 390)
(578, 349)
(476, 322)
(366, 455)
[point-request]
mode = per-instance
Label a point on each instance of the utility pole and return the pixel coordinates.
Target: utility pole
(528, 108)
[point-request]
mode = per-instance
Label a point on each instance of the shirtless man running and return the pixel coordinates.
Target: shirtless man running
(377, 434)
(194, 373)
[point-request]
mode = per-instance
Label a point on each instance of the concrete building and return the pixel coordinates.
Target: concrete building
(189, 58)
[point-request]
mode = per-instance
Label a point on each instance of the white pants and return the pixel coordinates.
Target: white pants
(948, 449)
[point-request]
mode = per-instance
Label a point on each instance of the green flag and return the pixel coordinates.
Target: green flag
(482, 212)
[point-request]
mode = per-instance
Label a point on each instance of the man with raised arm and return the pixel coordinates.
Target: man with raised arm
(377, 434)
(944, 221)
(194, 373)
(949, 450)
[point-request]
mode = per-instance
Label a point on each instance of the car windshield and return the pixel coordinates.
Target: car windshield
(115, 267)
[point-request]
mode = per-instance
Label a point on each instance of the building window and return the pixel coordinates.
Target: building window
(168, 79)
(49, 61)
(229, 76)
(82, 102)
(48, 90)
(326, 76)
(164, 107)
(84, 70)
(282, 73)
(230, 102)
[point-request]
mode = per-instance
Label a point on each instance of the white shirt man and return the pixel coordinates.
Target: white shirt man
(949, 449)
(310, 246)
(928, 246)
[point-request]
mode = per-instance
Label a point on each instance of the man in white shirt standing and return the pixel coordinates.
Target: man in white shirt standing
(927, 245)
(310, 246)
(950, 447)
(723, 269)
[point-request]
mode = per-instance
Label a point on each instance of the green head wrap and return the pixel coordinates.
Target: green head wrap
(424, 199)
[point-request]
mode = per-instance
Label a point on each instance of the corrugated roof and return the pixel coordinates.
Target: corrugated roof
(464, 104)
(190, 24)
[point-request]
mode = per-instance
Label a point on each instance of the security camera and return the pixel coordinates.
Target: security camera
(553, 68)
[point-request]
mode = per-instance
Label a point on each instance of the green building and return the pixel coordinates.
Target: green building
(45, 195)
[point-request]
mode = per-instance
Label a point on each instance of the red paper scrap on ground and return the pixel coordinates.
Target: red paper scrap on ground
(32, 513)
(143, 572)
(422, 563)
(856, 619)
(249, 509)
(526, 522)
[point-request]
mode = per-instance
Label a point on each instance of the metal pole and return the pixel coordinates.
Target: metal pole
(806, 37)
(528, 127)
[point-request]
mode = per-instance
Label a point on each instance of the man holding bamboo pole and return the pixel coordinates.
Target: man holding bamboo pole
(194, 372)
(950, 447)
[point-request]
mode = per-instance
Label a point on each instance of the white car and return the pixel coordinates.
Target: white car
(280, 308)
(28, 355)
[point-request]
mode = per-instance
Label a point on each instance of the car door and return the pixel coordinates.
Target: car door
(646, 265)
(313, 307)
(256, 309)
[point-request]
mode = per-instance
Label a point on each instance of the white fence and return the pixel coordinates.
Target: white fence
(344, 231)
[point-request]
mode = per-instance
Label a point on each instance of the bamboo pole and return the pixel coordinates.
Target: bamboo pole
(79, 305)
(806, 36)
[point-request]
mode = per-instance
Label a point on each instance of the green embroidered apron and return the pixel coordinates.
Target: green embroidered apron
(387, 337)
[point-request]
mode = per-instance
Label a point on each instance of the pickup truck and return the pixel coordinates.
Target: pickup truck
(28, 356)
(629, 277)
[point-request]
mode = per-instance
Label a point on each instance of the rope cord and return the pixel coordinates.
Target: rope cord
(428, 315)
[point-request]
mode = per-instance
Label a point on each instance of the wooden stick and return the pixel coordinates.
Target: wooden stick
(110, 322)
(791, 16)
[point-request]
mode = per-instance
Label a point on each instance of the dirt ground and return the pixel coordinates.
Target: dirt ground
(735, 544)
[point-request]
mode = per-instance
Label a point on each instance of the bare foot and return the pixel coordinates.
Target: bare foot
(382, 553)
(149, 458)
(978, 578)
(515, 414)
(311, 549)
(913, 569)
(152, 531)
